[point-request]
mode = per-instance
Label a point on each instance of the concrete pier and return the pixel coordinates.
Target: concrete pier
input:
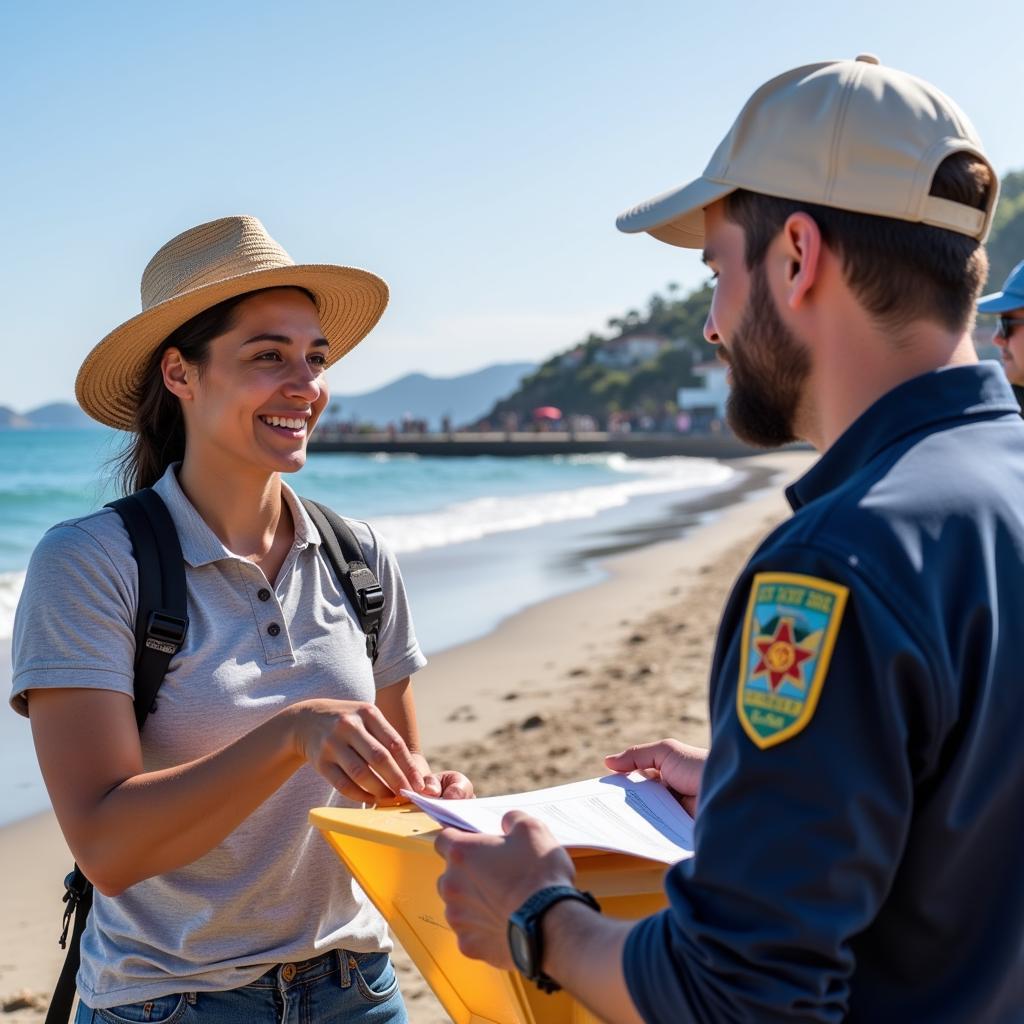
(636, 446)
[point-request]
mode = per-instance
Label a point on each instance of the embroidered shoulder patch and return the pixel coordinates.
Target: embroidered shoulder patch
(789, 633)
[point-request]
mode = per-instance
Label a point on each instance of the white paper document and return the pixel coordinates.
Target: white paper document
(623, 813)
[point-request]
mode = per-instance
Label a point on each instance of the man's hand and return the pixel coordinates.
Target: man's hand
(678, 765)
(489, 877)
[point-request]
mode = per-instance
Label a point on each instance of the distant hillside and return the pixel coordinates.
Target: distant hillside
(63, 415)
(598, 378)
(462, 399)
(10, 420)
(54, 416)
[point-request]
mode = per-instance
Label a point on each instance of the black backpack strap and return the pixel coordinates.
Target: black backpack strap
(78, 903)
(161, 622)
(350, 568)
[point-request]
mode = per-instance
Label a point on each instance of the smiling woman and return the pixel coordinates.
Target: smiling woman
(165, 398)
(257, 388)
(212, 894)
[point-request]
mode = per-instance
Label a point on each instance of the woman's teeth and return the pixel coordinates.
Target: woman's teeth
(281, 421)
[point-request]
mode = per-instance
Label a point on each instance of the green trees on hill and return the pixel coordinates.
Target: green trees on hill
(1006, 242)
(581, 381)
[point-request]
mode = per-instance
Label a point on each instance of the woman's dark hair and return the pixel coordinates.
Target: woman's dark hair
(158, 433)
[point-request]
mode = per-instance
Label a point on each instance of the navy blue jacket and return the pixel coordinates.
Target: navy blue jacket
(860, 839)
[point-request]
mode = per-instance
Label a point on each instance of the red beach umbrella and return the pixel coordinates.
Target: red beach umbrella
(547, 412)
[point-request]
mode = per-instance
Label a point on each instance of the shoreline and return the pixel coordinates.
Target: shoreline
(536, 701)
(542, 649)
(528, 567)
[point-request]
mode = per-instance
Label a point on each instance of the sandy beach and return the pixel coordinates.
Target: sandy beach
(536, 702)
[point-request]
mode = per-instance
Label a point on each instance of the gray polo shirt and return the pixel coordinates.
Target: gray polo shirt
(273, 891)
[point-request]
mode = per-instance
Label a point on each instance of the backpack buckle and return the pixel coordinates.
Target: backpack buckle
(371, 599)
(368, 591)
(76, 886)
(165, 633)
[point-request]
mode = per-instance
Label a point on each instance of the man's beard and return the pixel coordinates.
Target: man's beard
(769, 368)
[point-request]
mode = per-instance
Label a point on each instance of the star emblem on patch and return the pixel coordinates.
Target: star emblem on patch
(781, 657)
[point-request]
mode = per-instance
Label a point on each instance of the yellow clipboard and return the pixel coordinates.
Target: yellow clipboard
(390, 853)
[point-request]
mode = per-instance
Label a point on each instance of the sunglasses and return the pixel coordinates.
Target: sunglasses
(1007, 324)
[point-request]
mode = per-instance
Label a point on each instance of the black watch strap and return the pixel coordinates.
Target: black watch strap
(528, 919)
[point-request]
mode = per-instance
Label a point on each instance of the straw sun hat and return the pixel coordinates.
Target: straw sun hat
(196, 270)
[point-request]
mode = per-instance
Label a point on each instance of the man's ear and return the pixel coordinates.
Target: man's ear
(179, 376)
(800, 255)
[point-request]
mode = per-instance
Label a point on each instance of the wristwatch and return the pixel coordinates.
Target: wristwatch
(526, 936)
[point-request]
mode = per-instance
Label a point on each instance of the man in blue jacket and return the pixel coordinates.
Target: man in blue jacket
(860, 821)
(1008, 305)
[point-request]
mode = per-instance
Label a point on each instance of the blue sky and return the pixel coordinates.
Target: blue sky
(472, 154)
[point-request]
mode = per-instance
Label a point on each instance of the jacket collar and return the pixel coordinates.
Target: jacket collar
(941, 396)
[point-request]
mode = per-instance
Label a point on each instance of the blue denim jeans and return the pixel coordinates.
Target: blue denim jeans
(336, 988)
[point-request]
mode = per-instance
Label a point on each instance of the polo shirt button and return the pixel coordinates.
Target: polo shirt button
(273, 629)
(263, 594)
(288, 972)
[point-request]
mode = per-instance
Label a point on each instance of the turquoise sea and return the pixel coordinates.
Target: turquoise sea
(478, 538)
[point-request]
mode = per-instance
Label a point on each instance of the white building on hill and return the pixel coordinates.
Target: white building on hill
(630, 351)
(708, 400)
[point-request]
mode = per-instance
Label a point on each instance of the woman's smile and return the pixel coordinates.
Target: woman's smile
(289, 426)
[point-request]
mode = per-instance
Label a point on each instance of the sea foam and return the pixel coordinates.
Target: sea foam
(481, 517)
(10, 590)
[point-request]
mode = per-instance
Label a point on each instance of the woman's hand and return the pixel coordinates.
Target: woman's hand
(397, 704)
(678, 765)
(452, 785)
(354, 747)
(447, 785)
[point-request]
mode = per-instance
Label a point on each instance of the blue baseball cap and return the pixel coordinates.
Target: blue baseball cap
(1011, 297)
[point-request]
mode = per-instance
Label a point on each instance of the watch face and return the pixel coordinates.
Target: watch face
(519, 945)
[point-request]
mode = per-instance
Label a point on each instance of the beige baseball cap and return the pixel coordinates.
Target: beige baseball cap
(852, 134)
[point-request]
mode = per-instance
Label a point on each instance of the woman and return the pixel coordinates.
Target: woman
(214, 897)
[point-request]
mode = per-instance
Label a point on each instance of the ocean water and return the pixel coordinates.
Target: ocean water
(416, 503)
(478, 538)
